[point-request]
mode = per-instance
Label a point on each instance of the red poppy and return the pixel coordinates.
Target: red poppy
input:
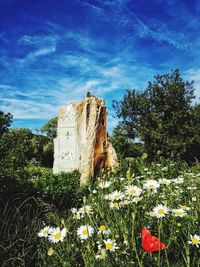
(151, 243)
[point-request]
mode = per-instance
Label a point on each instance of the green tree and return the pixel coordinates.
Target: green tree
(125, 146)
(42, 150)
(162, 116)
(193, 138)
(50, 128)
(16, 150)
(5, 122)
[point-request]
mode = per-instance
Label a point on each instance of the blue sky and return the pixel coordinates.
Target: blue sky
(53, 51)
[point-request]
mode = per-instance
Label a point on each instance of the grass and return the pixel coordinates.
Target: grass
(19, 224)
(125, 217)
(113, 220)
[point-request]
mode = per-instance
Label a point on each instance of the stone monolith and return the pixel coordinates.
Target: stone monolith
(82, 140)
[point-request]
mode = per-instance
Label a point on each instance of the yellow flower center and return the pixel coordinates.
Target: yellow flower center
(151, 186)
(179, 213)
(109, 246)
(117, 196)
(195, 240)
(45, 232)
(133, 191)
(116, 204)
(184, 207)
(85, 232)
(57, 236)
(161, 211)
(102, 228)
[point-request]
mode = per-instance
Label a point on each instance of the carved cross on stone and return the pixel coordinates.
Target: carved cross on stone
(68, 135)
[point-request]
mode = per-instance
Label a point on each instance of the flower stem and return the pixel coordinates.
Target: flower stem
(159, 231)
(134, 241)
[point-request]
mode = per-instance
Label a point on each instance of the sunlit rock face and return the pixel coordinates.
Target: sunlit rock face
(82, 141)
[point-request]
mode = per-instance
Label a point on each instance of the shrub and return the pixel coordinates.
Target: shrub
(62, 190)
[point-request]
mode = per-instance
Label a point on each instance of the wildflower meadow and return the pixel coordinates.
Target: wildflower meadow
(144, 216)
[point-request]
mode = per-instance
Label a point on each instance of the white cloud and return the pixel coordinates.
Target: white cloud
(37, 53)
(42, 52)
(71, 73)
(38, 40)
(52, 92)
(27, 109)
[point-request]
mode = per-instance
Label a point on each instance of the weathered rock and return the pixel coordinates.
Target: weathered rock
(82, 140)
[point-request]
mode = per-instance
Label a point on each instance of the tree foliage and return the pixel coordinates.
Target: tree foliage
(20, 147)
(5, 122)
(162, 116)
(124, 146)
(16, 150)
(50, 128)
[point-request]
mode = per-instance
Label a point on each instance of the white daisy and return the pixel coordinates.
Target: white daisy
(107, 197)
(100, 257)
(84, 231)
(185, 207)
(104, 184)
(164, 181)
(45, 231)
(74, 210)
(117, 195)
(77, 215)
(86, 209)
(191, 188)
(160, 211)
(103, 230)
(57, 235)
(151, 213)
(136, 199)
(179, 212)
(114, 205)
(151, 185)
(179, 180)
(110, 245)
(102, 254)
(124, 203)
(195, 240)
(133, 191)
